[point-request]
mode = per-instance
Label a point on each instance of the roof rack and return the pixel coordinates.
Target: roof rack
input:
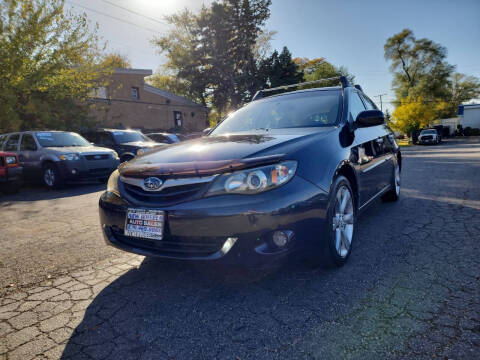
(343, 80)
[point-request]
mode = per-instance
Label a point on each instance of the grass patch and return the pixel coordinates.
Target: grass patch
(402, 142)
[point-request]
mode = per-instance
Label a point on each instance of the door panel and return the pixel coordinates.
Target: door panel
(371, 162)
(29, 156)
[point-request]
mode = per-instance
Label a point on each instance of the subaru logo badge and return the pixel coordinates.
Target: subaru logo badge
(152, 183)
(97, 157)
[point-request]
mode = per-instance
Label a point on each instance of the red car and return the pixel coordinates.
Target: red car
(10, 172)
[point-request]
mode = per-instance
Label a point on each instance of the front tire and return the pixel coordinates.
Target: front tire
(336, 246)
(394, 193)
(52, 178)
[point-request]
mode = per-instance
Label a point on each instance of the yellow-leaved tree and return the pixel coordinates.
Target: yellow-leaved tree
(412, 114)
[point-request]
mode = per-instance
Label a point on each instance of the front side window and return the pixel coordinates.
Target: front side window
(60, 139)
(28, 143)
(355, 106)
(123, 137)
(3, 138)
(12, 143)
(369, 104)
(296, 110)
(105, 139)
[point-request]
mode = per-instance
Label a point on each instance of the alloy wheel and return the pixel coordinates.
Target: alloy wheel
(49, 177)
(397, 179)
(343, 221)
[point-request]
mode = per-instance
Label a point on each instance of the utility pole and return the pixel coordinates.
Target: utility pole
(380, 96)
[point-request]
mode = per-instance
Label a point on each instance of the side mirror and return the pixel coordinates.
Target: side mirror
(369, 118)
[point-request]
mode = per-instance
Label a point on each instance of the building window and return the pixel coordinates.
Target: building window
(99, 93)
(135, 93)
(193, 114)
(178, 118)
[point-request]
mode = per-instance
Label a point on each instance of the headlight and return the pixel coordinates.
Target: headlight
(11, 160)
(254, 181)
(69, 157)
(143, 151)
(112, 184)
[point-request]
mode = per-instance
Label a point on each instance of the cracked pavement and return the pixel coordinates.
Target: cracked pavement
(411, 288)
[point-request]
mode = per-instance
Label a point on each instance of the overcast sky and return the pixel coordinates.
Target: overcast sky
(346, 32)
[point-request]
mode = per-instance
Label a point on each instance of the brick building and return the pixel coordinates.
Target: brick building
(128, 102)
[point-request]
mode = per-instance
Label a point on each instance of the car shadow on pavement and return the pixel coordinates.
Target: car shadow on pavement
(165, 309)
(36, 192)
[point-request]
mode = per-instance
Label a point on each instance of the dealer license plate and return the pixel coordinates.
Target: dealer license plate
(144, 223)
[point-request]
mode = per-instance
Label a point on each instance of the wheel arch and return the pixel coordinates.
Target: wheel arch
(347, 170)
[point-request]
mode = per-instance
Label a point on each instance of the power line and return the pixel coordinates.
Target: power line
(134, 12)
(113, 17)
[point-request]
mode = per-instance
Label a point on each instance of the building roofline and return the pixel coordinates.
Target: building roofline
(145, 72)
(170, 96)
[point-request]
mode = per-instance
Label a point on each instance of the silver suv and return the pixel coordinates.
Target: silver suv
(59, 156)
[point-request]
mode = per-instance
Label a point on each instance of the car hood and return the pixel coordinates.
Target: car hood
(214, 154)
(84, 150)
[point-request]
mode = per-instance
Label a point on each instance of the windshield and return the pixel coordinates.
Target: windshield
(428, 132)
(60, 139)
(306, 109)
(123, 137)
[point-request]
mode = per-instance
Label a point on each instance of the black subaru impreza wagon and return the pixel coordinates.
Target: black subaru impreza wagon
(284, 173)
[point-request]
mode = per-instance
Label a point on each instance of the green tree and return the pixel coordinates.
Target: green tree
(280, 69)
(421, 71)
(418, 65)
(116, 60)
(49, 63)
(214, 51)
(319, 68)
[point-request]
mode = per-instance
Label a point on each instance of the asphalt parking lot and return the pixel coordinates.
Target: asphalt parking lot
(411, 288)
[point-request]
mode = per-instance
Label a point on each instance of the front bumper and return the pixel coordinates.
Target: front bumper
(427, 141)
(226, 228)
(12, 174)
(87, 170)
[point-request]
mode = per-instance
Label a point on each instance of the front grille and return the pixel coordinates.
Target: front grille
(427, 137)
(169, 195)
(97, 157)
(174, 245)
(99, 172)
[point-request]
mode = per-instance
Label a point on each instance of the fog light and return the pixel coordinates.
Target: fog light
(282, 237)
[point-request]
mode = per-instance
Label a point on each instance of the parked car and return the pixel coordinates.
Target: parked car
(59, 156)
(429, 136)
(285, 173)
(127, 143)
(10, 172)
(164, 138)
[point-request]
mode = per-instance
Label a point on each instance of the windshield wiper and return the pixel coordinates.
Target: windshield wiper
(264, 129)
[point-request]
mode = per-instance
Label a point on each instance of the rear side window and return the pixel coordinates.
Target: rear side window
(28, 143)
(12, 143)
